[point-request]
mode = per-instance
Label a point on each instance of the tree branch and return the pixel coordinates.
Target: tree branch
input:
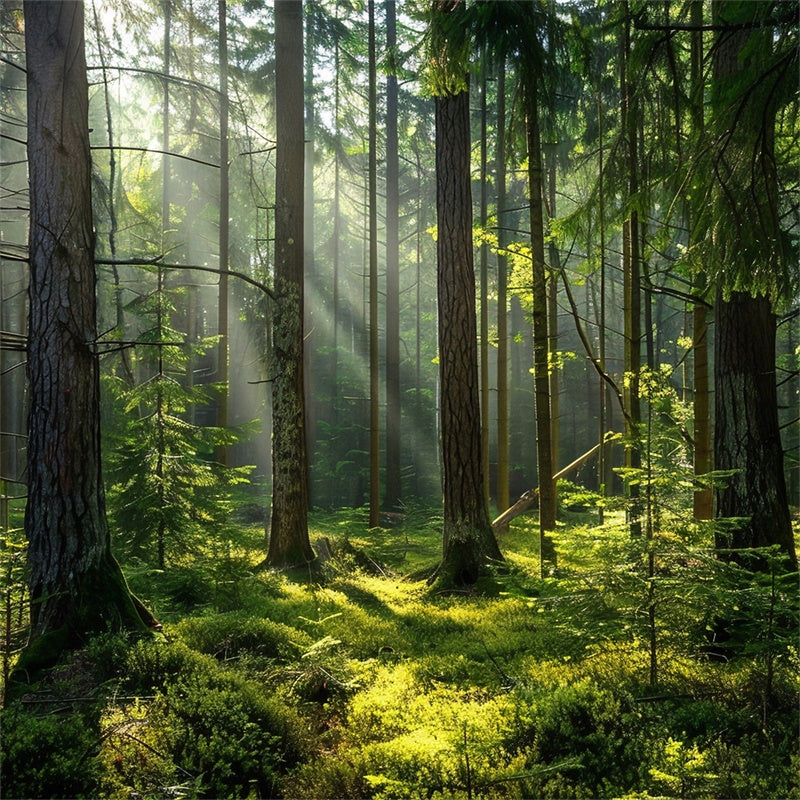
(156, 262)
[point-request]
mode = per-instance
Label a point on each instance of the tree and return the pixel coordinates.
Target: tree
(503, 500)
(468, 541)
(484, 284)
(224, 231)
(374, 350)
(703, 496)
(288, 533)
(516, 30)
(751, 258)
(541, 360)
(631, 268)
(393, 416)
(76, 585)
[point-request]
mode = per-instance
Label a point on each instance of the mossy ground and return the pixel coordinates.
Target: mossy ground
(361, 681)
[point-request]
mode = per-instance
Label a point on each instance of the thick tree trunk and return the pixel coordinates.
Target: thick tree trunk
(469, 543)
(76, 585)
(753, 506)
(288, 535)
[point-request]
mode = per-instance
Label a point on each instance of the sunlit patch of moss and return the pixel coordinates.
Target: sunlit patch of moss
(541, 690)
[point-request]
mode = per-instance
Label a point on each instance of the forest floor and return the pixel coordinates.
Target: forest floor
(600, 679)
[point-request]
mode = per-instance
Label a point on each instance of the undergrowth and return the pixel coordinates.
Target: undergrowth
(360, 682)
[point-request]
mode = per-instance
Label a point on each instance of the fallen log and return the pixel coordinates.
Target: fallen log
(530, 499)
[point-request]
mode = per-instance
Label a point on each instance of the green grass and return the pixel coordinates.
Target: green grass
(363, 682)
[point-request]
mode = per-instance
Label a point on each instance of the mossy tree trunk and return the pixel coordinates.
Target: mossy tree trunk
(76, 585)
(288, 534)
(469, 543)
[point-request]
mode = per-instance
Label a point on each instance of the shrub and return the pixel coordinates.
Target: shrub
(579, 730)
(230, 732)
(47, 756)
(214, 725)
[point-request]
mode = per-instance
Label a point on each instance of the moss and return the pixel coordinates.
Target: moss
(101, 603)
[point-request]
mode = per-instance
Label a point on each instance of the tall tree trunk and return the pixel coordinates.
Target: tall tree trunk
(541, 366)
(119, 306)
(552, 332)
(703, 504)
(632, 284)
(161, 304)
(468, 542)
(753, 506)
(503, 492)
(312, 306)
(484, 289)
(338, 320)
(521, 400)
(374, 351)
(393, 452)
(224, 232)
(604, 460)
(288, 535)
(76, 585)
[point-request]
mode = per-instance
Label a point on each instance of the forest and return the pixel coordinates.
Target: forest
(399, 399)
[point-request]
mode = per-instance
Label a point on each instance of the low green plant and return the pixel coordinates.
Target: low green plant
(225, 734)
(48, 753)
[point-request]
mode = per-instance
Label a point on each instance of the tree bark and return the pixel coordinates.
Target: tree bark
(223, 348)
(468, 542)
(753, 506)
(374, 351)
(632, 284)
(484, 289)
(288, 534)
(703, 500)
(502, 300)
(76, 585)
(393, 492)
(541, 365)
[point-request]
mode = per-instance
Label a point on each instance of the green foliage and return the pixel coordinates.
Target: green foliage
(13, 569)
(226, 734)
(166, 493)
(369, 686)
(581, 728)
(47, 754)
